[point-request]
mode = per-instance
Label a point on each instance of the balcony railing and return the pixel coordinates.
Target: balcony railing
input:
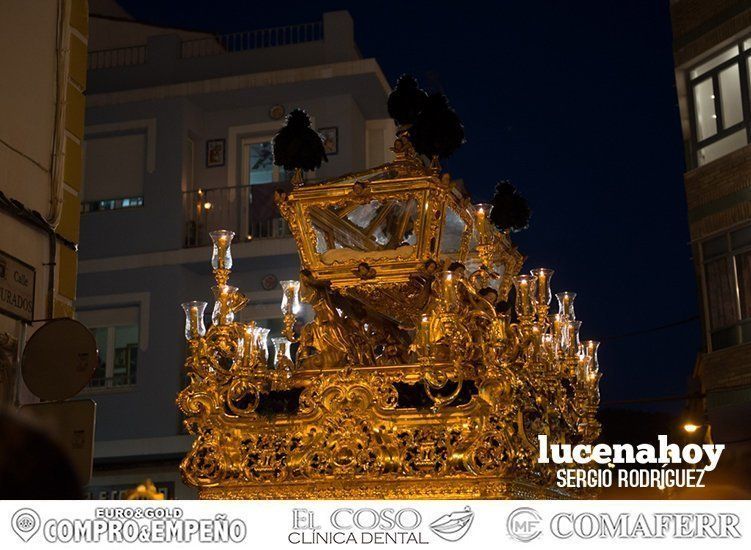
(248, 210)
(118, 57)
(214, 45)
(253, 40)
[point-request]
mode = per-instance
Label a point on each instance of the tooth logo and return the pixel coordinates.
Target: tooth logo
(25, 523)
(452, 527)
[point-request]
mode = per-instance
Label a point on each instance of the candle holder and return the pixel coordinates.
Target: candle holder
(228, 301)
(566, 304)
(557, 325)
(525, 303)
(262, 345)
(194, 325)
(290, 307)
(221, 255)
(589, 348)
(571, 339)
(283, 364)
(249, 347)
(543, 295)
(485, 235)
(449, 293)
(482, 223)
(422, 340)
(291, 297)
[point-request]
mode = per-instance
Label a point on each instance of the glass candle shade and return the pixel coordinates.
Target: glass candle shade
(525, 294)
(566, 304)
(557, 329)
(262, 344)
(221, 256)
(543, 277)
(249, 342)
(223, 313)
(422, 337)
(448, 288)
(582, 368)
(590, 352)
(571, 338)
(290, 297)
(482, 222)
(194, 326)
(281, 351)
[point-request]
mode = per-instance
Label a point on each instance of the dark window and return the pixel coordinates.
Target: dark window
(720, 294)
(111, 204)
(118, 356)
(727, 288)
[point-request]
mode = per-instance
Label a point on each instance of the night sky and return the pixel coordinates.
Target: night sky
(575, 102)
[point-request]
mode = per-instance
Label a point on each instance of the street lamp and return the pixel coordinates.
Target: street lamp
(690, 427)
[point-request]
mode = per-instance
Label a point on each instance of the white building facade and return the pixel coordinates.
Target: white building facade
(178, 143)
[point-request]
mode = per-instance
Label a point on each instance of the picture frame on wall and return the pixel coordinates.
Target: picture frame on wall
(330, 137)
(215, 152)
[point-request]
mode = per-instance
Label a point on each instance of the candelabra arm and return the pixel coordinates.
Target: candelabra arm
(289, 328)
(221, 276)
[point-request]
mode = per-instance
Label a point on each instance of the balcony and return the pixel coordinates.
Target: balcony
(214, 45)
(117, 57)
(172, 58)
(248, 210)
(252, 40)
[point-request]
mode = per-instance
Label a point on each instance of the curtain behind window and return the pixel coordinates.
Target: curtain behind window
(743, 265)
(720, 294)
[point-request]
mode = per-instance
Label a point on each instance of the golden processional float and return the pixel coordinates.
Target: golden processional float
(416, 377)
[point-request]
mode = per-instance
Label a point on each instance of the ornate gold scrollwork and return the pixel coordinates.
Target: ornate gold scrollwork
(414, 379)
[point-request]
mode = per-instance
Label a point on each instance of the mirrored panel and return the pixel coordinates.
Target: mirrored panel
(453, 230)
(346, 232)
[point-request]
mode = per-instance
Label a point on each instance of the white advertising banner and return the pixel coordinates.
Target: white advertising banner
(316, 524)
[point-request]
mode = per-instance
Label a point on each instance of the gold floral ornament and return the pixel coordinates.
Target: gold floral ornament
(414, 378)
(144, 491)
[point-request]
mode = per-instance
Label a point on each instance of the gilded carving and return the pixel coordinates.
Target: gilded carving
(413, 379)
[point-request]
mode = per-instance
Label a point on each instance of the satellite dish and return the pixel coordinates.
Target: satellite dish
(59, 360)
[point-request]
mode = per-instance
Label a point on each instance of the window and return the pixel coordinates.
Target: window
(727, 288)
(261, 177)
(116, 332)
(115, 167)
(111, 204)
(260, 167)
(719, 100)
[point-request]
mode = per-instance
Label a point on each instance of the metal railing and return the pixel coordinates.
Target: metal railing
(248, 210)
(253, 40)
(118, 57)
(214, 45)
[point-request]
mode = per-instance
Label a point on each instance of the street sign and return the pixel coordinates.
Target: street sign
(71, 425)
(17, 281)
